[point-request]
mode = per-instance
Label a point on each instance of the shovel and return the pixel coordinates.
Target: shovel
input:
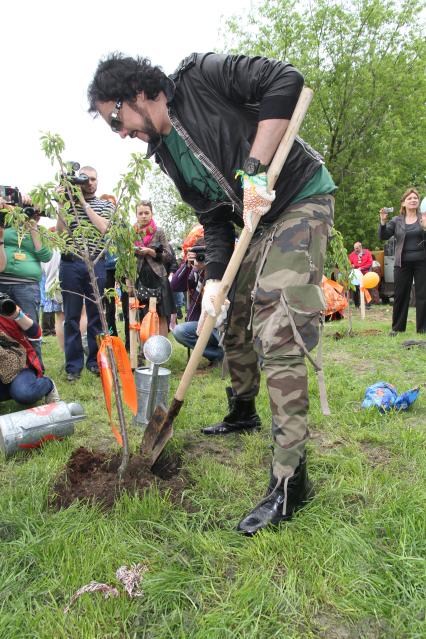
(160, 427)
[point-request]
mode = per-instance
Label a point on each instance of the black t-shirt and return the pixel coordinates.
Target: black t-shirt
(413, 249)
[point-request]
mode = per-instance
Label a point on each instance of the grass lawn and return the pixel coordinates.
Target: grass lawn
(350, 565)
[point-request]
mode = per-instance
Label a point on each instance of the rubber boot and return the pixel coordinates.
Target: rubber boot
(242, 417)
(281, 501)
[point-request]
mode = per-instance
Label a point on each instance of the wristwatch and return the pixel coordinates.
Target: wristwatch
(252, 166)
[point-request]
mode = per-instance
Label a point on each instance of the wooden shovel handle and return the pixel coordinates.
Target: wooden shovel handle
(234, 264)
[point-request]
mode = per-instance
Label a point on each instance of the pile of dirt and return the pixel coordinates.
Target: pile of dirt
(367, 331)
(92, 476)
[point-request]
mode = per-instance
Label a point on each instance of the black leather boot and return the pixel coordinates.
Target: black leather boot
(281, 501)
(242, 417)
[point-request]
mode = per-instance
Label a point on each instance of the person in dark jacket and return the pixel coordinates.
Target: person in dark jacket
(410, 259)
(215, 115)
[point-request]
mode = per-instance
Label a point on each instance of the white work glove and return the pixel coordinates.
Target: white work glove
(211, 289)
(257, 198)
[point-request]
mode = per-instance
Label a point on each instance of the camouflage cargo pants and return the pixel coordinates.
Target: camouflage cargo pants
(280, 274)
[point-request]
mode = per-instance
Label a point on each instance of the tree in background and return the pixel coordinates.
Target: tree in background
(176, 217)
(366, 62)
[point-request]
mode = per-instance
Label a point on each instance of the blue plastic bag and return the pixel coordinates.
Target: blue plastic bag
(385, 396)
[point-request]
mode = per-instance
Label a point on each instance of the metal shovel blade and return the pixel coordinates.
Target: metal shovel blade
(159, 430)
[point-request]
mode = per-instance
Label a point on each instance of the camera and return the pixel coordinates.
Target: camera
(13, 197)
(200, 252)
(388, 209)
(7, 305)
(70, 175)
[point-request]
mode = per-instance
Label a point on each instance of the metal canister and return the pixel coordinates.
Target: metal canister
(143, 378)
(31, 427)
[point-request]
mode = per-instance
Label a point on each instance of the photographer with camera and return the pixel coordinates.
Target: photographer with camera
(21, 373)
(73, 273)
(409, 230)
(190, 278)
(21, 255)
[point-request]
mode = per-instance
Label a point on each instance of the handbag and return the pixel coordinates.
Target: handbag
(143, 293)
(13, 358)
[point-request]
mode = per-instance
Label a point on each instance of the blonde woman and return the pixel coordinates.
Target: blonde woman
(408, 228)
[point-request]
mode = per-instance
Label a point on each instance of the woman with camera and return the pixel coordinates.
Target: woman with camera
(21, 374)
(409, 230)
(153, 254)
(21, 255)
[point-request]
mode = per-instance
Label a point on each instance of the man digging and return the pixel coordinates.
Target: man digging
(216, 115)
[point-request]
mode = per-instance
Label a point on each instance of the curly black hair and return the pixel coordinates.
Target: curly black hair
(122, 78)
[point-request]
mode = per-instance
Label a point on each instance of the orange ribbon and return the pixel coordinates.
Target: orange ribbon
(366, 293)
(136, 304)
(150, 323)
(125, 374)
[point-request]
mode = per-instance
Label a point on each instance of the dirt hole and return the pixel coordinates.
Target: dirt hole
(92, 476)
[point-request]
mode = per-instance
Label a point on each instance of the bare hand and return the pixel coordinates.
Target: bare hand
(192, 261)
(144, 250)
(383, 216)
(26, 200)
(5, 205)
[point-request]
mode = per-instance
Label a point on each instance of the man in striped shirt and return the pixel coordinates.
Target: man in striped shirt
(74, 275)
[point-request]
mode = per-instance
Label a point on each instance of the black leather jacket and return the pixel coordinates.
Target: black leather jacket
(396, 227)
(215, 103)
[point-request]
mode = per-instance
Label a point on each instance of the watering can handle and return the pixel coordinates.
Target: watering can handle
(234, 264)
(152, 390)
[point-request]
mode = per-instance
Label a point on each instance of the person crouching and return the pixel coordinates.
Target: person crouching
(21, 373)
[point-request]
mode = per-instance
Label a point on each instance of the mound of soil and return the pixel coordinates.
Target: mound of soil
(92, 476)
(367, 331)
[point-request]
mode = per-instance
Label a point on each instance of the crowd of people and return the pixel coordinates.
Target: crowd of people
(41, 285)
(216, 114)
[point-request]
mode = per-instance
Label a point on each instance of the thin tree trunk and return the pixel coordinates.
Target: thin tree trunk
(115, 378)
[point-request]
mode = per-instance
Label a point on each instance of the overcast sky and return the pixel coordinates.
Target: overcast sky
(49, 53)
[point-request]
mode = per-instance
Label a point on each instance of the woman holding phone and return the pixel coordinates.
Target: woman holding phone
(409, 230)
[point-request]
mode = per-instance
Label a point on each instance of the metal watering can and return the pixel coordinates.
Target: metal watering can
(31, 427)
(152, 382)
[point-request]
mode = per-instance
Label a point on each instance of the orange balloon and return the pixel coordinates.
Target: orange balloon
(370, 280)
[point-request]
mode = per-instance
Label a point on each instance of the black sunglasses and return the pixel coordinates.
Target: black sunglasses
(116, 124)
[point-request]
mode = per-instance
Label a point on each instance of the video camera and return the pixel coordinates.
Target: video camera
(70, 175)
(200, 252)
(13, 197)
(7, 305)
(388, 209)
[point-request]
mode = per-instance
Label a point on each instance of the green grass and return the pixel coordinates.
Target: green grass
(351, 565)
